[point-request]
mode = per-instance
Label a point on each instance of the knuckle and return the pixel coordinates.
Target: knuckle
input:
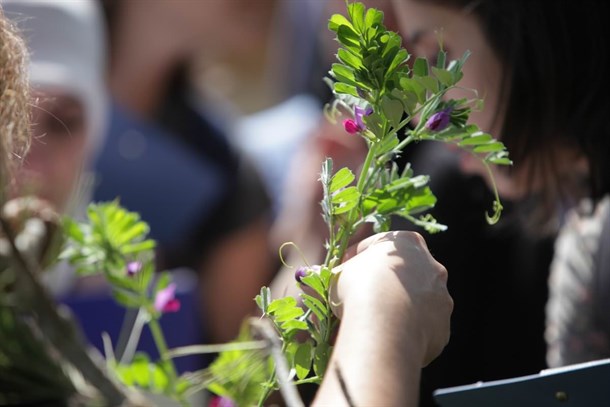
(418, 239)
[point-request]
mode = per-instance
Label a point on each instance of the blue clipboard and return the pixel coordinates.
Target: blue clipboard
(582, 385)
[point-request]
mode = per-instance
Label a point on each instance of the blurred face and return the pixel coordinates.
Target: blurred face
(54, 162)
(423, 25)
(216, 26)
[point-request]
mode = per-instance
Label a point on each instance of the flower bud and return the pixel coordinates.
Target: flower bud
(165, 300)
(351, 126)
(439, 120)
(300, 273)
(133, 268)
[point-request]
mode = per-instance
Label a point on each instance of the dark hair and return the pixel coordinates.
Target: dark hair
(555, 61)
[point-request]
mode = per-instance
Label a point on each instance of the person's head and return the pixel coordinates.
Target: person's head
(541, 67)
(65, 41)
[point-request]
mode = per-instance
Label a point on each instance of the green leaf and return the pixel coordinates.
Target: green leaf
(315, 305)
(124, 374)
(340, 87)
(263, 299)
(302, 360)
(345, 200)
(373, 17)
(140, 370)
(414, 87)
(138, 247)
(321, 357)
(500, 161)
(325, 276)
(294, 325)
(314, 281)
(429, 82)
(441, 59)
(348, 38)
(349, 59)
(160, 381)
(341, 179)
(400, 58)
(73, 230)
(475, 140)
(444, 76)
(337, 20)
(285, 309)
(490, 147)
(393, 110)
(344, 74)
(420, 67)
(356, 13)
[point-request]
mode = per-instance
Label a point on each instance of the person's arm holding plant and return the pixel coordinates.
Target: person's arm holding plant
(394, 307)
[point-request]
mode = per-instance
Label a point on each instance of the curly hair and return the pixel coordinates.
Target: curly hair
(14, 100)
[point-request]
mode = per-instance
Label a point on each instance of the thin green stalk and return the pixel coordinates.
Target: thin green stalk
(159, 339)
(269, 388)
(223, 347)
(134, 336)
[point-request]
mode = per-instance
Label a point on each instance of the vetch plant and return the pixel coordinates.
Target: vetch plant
(391, 102)
(391, 105)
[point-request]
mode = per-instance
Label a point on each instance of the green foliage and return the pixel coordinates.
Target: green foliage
(241, 375)
(392, 104)
(110, 238)
(113, 242)
(371, 79)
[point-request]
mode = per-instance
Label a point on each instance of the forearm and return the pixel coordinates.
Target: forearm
(376, 361)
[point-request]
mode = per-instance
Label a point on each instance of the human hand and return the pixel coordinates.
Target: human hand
(392, 279)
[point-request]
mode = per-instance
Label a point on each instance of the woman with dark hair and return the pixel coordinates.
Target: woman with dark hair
(548, 105)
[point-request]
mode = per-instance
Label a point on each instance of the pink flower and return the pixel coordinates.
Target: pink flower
(221, 402)
(356, 125)
(165, 300)
(133, 268)
(351, 126)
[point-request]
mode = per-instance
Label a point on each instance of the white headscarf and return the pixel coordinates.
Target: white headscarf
(66, 41)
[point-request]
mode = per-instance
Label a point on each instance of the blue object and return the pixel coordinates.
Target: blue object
(584, 384)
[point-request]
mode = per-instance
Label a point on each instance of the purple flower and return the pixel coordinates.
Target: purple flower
(133, 268)
(165, 300)
(359, 113)
(439, 120)
(300, 273)
(304, 271)
(356, 125)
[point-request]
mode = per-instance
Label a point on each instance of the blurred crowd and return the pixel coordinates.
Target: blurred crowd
(206, 118)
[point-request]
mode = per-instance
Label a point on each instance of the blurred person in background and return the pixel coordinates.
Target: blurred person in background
(485, 322)
(66, 71)
(167, 155)
(526, 64)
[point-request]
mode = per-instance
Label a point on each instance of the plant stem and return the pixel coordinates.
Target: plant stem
(268, 388)
(223, 347)
(134, 336)
(159, 339)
